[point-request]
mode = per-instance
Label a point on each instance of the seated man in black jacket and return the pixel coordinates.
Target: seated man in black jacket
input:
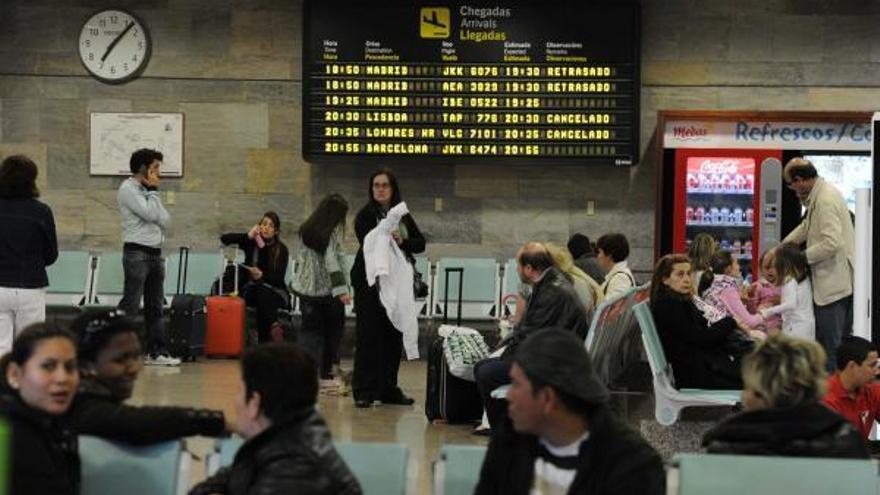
(561, 437)
(110, 359)
(288, 448)
(553, 303)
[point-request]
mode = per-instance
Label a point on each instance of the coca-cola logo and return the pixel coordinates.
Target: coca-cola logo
(719, 166)
(689, 132)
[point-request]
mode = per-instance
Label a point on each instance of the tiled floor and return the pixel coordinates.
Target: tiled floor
(211, 384)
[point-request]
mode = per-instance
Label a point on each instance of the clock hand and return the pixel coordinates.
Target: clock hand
(116, 40)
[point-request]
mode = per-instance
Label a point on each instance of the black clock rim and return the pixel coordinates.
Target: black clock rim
(147, 54)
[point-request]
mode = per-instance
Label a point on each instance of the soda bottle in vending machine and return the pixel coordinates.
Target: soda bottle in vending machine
(705, 183)
(700, 215)
(737, 216)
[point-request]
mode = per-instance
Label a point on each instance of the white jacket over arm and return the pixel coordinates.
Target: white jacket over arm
(386, 264)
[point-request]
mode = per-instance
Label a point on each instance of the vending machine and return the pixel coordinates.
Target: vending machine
(720, 172)
(733, 195)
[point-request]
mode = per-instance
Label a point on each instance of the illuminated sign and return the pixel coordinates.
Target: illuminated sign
(843, 136)
(513, 82)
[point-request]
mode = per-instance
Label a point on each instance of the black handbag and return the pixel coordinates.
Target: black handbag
(420, 287)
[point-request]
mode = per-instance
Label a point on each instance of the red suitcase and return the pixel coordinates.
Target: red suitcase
(224, 333)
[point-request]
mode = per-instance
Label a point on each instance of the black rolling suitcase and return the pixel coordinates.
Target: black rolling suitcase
(186, 333)
(448, 398)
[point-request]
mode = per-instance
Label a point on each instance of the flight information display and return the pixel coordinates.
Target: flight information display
(504, 82)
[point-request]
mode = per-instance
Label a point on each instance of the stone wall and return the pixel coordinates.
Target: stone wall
(233, 67)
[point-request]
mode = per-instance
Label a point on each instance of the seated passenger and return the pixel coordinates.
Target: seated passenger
(288, 449)
(265, 260)
(110, 360)
(581, 250)
(588, 291)
(561, 436)
(695, 349)
(784, 380)
(613, 249)
(720, 288)
(552, 303)
(764, 293)
(700, 252)
(40, 379)
(853, 390)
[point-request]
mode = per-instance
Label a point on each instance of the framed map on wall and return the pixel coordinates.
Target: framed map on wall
(113, 137)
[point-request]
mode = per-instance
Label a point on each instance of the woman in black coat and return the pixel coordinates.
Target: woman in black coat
(266, 259)
(39, 382)
(378, 343)
(695, 349)
(28, 245)
(110, 360)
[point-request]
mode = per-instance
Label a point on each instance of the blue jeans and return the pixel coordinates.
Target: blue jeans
(490, 374)
(833, 322)
(323, 323)
(145, 278)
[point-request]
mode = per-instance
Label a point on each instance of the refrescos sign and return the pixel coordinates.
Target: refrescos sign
(844, 136)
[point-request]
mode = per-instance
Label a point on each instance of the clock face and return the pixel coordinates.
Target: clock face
(114, 46)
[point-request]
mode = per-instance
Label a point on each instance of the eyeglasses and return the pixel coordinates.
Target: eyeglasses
(791, 183)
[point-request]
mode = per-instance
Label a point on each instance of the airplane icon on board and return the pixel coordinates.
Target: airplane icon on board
(433, 20)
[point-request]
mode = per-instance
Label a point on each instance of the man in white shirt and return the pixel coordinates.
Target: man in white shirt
(613, 250)
(561, 437)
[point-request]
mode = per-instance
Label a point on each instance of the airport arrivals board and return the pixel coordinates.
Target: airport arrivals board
(507, 82)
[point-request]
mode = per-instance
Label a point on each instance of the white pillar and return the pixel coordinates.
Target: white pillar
(862, 268)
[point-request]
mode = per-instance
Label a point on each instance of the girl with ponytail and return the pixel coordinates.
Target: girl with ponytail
(720, 289)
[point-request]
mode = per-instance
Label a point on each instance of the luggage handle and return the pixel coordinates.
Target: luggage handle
(90, 296)
(226, 263)
(182, 268)
(460, 272)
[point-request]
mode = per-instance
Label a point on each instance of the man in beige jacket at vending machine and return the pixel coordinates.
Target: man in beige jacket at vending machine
(828, 232)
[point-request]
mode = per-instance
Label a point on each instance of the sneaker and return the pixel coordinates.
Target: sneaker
(161, 360)
(329, 383)
(482, 431)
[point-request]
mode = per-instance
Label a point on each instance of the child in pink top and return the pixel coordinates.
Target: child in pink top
(720, 288)
(765, 293)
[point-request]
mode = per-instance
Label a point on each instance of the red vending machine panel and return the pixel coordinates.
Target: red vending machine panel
(717, 192)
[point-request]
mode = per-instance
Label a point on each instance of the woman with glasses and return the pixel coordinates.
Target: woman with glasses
(110, 358)
(378, 343)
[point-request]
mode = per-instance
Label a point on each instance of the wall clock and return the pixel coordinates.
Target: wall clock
(114, 46)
